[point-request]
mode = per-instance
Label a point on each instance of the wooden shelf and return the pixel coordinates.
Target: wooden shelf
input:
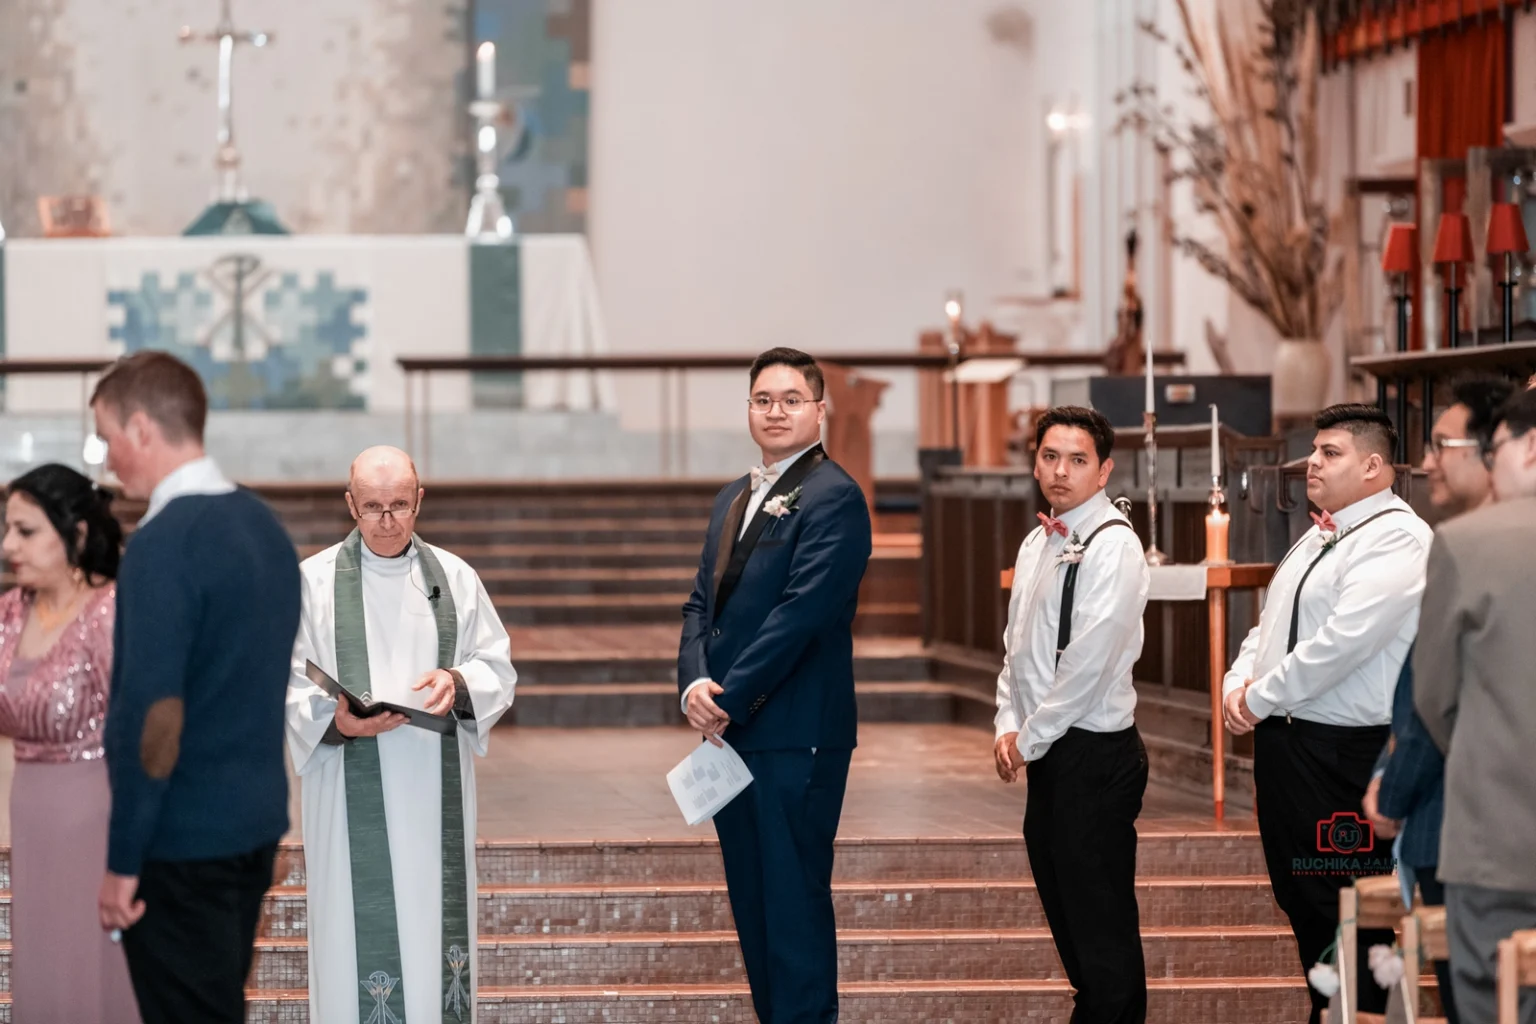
(1517, 355)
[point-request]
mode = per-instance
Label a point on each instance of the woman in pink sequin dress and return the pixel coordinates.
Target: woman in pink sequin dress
(62, 546)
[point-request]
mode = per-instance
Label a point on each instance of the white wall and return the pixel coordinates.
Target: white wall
(806, 173)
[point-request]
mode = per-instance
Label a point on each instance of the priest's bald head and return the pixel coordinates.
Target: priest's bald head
(384, 494)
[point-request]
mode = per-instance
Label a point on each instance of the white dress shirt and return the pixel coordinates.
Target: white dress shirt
(200, 476)
(1090, 687)
(1358, 616)
(759, 495)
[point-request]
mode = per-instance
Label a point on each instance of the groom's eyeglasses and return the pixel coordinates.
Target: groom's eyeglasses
(399, 510)
(791, 404)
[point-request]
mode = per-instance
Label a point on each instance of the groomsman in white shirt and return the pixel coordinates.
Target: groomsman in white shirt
(1314, 679)
(1065, 714)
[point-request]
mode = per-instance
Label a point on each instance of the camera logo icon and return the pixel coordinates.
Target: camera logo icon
(1345, 832)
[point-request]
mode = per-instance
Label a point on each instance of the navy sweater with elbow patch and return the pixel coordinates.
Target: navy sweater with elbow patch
(207, 611)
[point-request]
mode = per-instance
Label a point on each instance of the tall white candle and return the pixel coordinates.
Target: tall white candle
(1151, 406)
(485, 71)
(1215, 446)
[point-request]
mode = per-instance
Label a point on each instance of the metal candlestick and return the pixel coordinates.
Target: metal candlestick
(953, 309)
(1507, 286)
(488, 220)
(1453, 307)
(1154, 555)
(230, 189)
(1401, 298)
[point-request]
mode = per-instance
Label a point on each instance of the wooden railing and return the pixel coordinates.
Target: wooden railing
(85, 367)
(673, 369)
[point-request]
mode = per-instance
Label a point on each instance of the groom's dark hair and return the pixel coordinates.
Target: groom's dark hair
(1090, 421)
(795, 360)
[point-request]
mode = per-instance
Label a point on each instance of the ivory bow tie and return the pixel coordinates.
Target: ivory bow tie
(1052, 525)
(1324, 522)
(760, 474)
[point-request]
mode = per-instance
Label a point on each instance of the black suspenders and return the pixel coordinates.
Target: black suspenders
(1069, 587)
(1290, 644)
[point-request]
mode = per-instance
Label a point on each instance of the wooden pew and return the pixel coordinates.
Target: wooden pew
(1517, 970)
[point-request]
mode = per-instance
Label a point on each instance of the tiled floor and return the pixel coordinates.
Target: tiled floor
(907, 780)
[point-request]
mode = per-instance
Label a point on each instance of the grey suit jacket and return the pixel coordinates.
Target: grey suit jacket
(1475, 689)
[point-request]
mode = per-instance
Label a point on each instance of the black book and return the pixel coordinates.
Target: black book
(444, 724)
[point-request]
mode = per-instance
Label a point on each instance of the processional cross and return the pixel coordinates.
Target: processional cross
(227, 159)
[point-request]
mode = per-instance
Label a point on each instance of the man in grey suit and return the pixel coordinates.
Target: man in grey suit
(1475, 692)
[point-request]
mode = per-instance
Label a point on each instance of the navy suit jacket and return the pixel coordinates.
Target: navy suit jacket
(782, 644)
(1413, 781)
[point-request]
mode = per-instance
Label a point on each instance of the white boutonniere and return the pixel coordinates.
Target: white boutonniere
(781, 505)
(1073, 552)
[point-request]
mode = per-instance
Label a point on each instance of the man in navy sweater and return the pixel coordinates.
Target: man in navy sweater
(766, 660)
(207, 609)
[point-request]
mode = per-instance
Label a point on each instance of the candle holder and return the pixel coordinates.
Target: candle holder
(953, 310)
(1217, 526)
(1398, 261)
(1154, 556)
(488, 220)
(1506, 237)
(1453, 247)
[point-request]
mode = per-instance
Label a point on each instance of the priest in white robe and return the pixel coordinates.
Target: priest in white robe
(389, 804)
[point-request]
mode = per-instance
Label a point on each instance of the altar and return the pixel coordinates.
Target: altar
(308, 322)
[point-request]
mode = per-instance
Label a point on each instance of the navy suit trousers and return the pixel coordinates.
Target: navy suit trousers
(776, 840)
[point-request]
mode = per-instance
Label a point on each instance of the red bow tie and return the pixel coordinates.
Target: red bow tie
(1052, 525)
(1324, 522)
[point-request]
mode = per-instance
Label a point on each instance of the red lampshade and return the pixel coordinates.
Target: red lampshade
(1399, 255)
(1506, 231)
(1453, 242)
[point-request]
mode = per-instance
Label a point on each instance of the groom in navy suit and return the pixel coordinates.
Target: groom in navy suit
(766, 661)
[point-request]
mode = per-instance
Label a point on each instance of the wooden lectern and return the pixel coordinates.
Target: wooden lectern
(852, 399)
(984, 419)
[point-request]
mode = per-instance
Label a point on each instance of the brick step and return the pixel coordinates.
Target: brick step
(691, 861)
(556, 555)
(581, 666)
(588, 580)
(592, 705)
(598, 909)
(1187, 1001)
(1186, 767)
(701, 958)
(613, 705)
(590, 609)
(615, 530)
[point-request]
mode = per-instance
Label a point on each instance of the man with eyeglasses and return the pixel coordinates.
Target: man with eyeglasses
(1406, 797)
(389, 812)
(766, 662)
(1476, 698)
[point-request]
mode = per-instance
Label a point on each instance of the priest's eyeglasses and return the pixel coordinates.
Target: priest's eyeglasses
(399, 510)
(791, 404)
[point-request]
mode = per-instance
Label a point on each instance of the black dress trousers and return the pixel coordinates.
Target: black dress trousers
(1080, 829)
(1309, 782)
(190, 953)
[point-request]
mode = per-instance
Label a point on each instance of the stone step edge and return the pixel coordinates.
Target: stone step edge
(850, 937)
(902, 885)
(1009, 840)
(919, 686)
(543, 994)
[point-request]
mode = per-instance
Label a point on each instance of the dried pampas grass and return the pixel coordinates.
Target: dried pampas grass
(1253, 167)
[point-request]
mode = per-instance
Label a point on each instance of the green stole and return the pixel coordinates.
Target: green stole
(381, 999)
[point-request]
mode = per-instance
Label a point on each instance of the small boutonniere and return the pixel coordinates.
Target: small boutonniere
(1072, 553)
(781, 505)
